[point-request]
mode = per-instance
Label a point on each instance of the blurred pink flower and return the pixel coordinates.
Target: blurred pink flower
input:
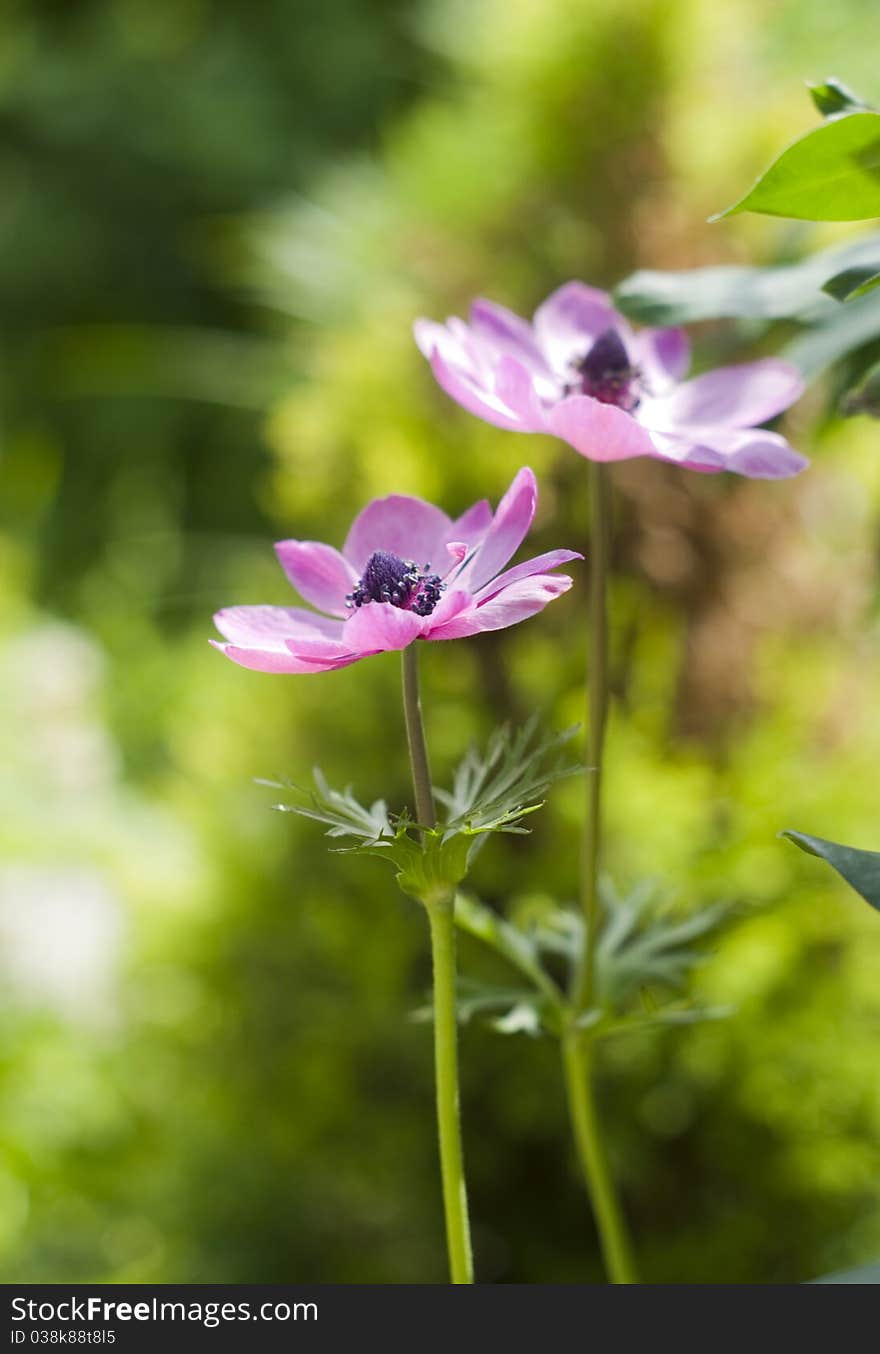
(376, 595)
(580, 372)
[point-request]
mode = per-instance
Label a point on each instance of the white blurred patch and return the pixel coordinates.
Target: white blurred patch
(50, 680)
(61, 932)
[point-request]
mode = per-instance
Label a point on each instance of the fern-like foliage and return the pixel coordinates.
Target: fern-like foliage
(343, 815)
(645, 952)
(493, 790)
(644, 944)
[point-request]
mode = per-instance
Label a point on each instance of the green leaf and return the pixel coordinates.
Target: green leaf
(865, 397)
(523, 1011)
(842, 330)
(832, 96)
(523, 1018)
(430, 862)
(860, 869)
(514, 945)
(493, 791)
(830, 174)
(343, 815)
(430, 869)
(730, 291)
(639, 944)
(854, 282)
(678, 1014)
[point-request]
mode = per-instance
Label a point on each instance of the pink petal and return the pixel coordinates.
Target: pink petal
(452, 340)
(510, 606)
(270, 627)
(541, 564)
(504, 332)
(663, 356)
(515, 388)
(464, 536)
(571, 319)
(476, 398)
(512, 520)
(318, 572)
(407, 527)
(682, 451)
(601, 432)
(752, 452)
(379, 626)
(268, 660)
(451, 604)
(734, 397)
(470, 528)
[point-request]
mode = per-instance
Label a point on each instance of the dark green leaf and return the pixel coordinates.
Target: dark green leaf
(831, 174)
(860, 869)
(854, 282)
(832, 96)
(729, 291)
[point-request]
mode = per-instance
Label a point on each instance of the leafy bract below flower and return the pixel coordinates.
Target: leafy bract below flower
(580, 372)
(406, 572)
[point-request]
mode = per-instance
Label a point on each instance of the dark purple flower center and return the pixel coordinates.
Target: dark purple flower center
(387, 578)
(607, 374)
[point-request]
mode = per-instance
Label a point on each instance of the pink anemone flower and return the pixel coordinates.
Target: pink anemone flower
(406, 572)
(580, 372)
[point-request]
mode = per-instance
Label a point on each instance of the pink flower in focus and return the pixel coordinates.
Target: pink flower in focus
(580, 372)
(406, 572)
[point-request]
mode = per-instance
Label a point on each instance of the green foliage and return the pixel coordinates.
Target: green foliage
(832, 97)
(831, 174)
(853, 282)
(731, 291)
(641, 947)
(864, 398)
(640, 944)
(797, 292)
(491, 792)
(845, 331)
(249, 1065)
(495, 790)
(860, 869)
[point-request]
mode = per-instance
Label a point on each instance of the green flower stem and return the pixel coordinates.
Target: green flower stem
(597, 717)
(415, 737)
(458, 1232)
(577, 1050)
(441, 916)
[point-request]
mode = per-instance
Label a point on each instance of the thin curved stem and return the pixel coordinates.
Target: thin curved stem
(578, 1047)
(610, 1222)
(415, 737)
(441, 916)
(597, 717)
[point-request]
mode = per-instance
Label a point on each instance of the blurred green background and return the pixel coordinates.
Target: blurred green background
(217, 224)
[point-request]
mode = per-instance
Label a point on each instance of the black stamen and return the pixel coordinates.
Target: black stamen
(387, 578)
(607, 374)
